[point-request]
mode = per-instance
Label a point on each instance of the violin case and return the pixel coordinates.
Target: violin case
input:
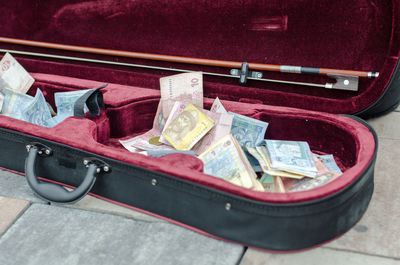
(84, 152)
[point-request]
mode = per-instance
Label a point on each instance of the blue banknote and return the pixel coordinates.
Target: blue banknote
(65, 102)
(247, 131)
(37, 111)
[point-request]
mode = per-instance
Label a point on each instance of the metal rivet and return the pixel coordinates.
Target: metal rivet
(47, 152)
(228, 206)
(28, 147)
(106, 168)
(85, 162)
(98, 170)
(346, 82)
(153, 182)
(40, 152)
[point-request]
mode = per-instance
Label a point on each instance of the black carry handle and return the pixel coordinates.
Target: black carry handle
(93, 100)
(53, 192)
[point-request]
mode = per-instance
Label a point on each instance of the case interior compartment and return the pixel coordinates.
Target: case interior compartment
(350, 142)
(357, 35)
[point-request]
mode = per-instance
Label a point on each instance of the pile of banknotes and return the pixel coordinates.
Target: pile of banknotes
(15, 82)
(231, 146)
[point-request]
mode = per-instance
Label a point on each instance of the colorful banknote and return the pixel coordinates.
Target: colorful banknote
(272, 183)
(248, 132)
(187, 128)
(292, 156)
(37, 111)
(187, 87)
(142, 142)
(217, 107)
(222, 127)
(13, 75)
(330, 163)
(226, 160)
(14, 103)
(65, 101)
(177, 108)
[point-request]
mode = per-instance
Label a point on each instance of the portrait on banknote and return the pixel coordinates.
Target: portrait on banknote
(182, 125)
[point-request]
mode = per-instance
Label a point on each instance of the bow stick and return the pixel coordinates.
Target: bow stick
(345, 79)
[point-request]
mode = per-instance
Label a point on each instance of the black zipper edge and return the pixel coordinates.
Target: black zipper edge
(228, 197)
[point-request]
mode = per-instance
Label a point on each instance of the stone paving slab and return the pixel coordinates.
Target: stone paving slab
(387, 126)
(317, 256)
(94, 204)
(15, 186)
(59, 235)
(378, 232)
(10, 210)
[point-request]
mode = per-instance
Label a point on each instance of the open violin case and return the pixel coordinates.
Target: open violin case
(84, 151)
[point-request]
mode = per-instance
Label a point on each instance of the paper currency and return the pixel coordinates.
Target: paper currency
(13, 75)
(330, 163)
(217, 107)
(222, 127)
(14, 103)
(253, 162)
(37, 111)
(248, 132)
(65, 102)
(1, 100)
(260, 154)
(163, 152)
(292, 156)
(177, 108)
(226, 160)
(187, 128)
(187, 87)
(142, 142)
(272, 183)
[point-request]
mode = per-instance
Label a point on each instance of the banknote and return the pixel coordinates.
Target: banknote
(177, 108)
(37, 111)
(14, 102)
(248, 131)
(330, 163)
(292, 185)
(292, 156)
(187, 128)
(222, 127)
(141, 142)
(1, 100)
(187, 87)
(253, 161)
(225, 160)
(163, 152)
(13, 75)
(272, 183)
(260, 154)
(65, 102)
(217, 107)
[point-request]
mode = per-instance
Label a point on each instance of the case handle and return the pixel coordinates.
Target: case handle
(53, 192)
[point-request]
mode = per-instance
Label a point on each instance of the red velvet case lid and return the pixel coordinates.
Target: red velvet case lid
(357, 35)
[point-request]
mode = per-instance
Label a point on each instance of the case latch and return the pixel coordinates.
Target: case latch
(243, 73)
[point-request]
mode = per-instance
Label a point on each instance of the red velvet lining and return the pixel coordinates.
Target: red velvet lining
(359, 35)
(350, 142)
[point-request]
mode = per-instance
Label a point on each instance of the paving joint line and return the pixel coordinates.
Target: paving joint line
(20, 214)
(362, 253)
(66, 206)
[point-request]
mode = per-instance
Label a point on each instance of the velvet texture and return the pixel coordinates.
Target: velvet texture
(130, 111)
(356, 35)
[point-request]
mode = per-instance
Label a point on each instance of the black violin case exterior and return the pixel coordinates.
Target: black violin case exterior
(84, 151)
